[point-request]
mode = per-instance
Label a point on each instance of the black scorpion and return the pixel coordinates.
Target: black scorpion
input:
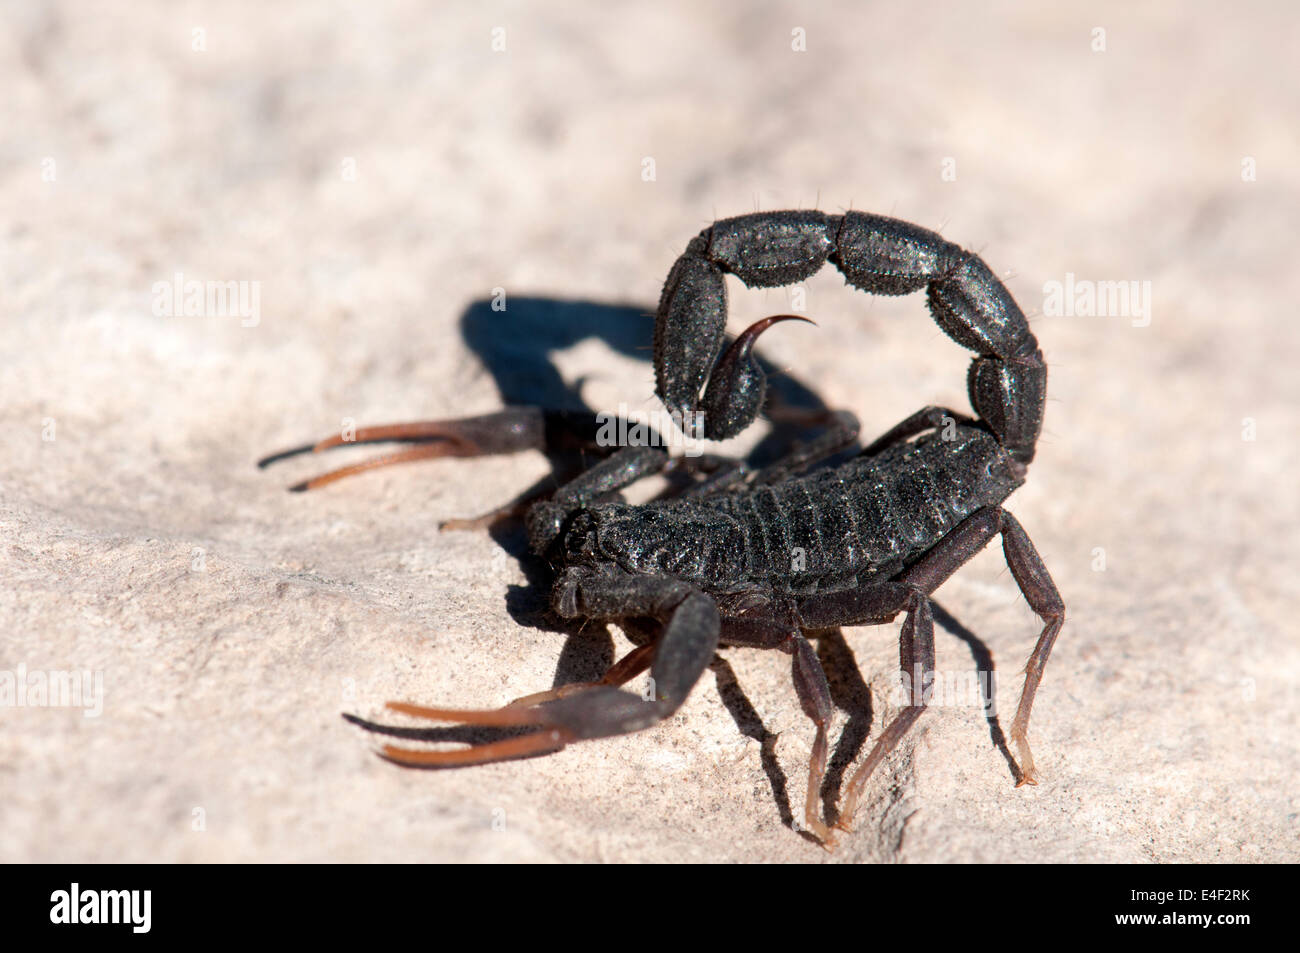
(745, 557)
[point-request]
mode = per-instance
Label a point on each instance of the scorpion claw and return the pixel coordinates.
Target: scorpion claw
(599, 711)
(507, 717)
(541, 742)
(547, 741)
(507, 431)
(285, 455)
(427, 452)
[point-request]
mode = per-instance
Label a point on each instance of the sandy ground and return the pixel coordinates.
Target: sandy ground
(373, 171)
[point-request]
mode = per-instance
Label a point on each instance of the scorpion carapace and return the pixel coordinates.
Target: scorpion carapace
(743, 556)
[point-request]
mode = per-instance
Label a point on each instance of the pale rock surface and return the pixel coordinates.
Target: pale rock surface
(233, 623)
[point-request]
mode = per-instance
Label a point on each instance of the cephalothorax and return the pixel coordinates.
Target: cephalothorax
(756, 557)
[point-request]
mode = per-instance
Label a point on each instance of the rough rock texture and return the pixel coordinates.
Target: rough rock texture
(379, 169)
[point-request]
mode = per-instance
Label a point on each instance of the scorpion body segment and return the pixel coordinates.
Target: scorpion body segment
(758, 557)
(1007, 380)
(868, 517)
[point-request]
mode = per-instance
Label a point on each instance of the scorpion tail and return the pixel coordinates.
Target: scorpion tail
(737, 385)
(1008, 378)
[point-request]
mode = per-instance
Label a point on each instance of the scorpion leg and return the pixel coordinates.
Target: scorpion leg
(876, 604)
(916, 664)
(1034, 582)
(842, 430)
(681, 653)
(881, 602)
(711, 474)
(1041, 594)
(927, 418)
(545, 509)
(768, 631)
(722, 474)
(622, 468)
(815, 699)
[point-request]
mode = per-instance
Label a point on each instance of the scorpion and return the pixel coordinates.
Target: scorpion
(710, 564)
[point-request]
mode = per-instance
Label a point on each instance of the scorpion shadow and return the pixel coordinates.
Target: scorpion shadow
(517, 348)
